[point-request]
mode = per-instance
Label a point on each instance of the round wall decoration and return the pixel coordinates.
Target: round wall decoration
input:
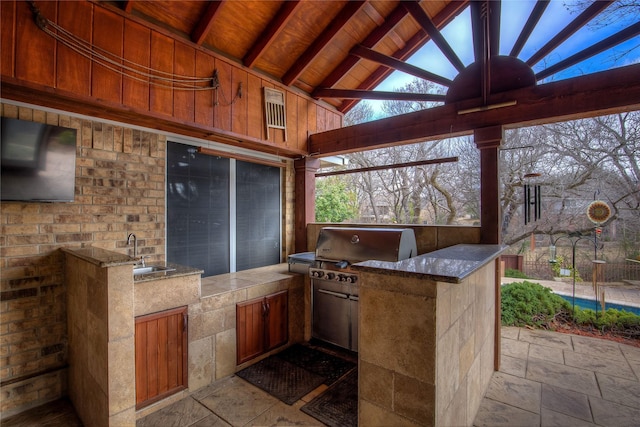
(598, 211)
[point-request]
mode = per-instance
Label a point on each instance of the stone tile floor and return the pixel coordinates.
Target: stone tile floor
(545, 379)
(554, 379)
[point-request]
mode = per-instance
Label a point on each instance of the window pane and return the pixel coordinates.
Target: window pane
(197, 209)
(257, 215)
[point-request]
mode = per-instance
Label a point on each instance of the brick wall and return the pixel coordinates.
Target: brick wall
(120, 188)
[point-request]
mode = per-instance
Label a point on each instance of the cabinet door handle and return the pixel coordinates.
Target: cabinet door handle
(185, 319)
(268, 309)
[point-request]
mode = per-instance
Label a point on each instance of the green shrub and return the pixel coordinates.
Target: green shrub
(531, 304)
(528, 303)
(611, 319)
(511, 272)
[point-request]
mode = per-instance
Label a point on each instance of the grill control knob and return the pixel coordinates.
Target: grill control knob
(330, 276)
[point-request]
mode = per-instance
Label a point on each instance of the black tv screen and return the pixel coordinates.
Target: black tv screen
(38, 161)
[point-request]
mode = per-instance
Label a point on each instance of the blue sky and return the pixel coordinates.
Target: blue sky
(556, 16)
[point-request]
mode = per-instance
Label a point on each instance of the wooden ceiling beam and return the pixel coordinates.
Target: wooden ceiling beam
(485, 23)
(285, 13)
(380, 95)
(581, 20)
(601, 46)
(585, 96)
(382, 72)
(477, 30)
(205, 23)
(370, 41)
(529, 26)
(495, 12)
(127, 5)
(419, 39)
(421, 17)
(396, 64)
(482, 22)
(301, 64)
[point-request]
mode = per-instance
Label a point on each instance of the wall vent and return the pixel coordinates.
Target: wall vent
(274, 110)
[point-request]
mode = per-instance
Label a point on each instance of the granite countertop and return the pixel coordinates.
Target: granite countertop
(105, 258)
(452, 264)
(101, 257)
(176, 271)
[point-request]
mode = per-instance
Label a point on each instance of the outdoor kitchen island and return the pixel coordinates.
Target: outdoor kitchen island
(427, 336)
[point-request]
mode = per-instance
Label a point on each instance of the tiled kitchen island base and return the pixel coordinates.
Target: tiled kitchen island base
(427, 336)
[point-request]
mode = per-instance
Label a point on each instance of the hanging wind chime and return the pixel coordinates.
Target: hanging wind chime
(598, 213)
(532, 200)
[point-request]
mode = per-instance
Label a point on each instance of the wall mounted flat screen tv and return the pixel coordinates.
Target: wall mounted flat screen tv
(38, 161)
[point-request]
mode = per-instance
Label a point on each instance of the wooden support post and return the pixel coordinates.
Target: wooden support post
(305, 199)
(488, 140)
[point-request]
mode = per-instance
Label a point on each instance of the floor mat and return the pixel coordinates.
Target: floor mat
(281, 379)
(338, 405)
(320, 363)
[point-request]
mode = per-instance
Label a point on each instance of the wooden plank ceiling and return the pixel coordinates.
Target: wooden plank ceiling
(335, 50)
(339, 50)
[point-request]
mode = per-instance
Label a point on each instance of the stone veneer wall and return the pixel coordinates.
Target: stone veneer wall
(101, 342)
(212, 327)
(120, 188)
(426, 348)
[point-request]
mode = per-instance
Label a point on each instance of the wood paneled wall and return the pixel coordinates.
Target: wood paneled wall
(37, 69)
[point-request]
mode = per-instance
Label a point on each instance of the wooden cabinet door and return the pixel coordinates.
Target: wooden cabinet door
(250, 321)
(261, 325)
(161, 355)
(277, 320)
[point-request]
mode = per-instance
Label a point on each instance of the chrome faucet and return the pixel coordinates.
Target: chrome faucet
(135, 247)
(135, 243)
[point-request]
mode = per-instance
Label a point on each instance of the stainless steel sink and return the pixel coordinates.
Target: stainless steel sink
(151, 269)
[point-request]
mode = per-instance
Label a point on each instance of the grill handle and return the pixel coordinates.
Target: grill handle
(333, 294)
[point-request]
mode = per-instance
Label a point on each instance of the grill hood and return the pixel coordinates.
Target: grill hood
(354, 244)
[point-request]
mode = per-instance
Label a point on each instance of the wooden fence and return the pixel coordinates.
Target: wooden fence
(611, 272)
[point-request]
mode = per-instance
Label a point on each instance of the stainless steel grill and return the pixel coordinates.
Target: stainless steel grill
(335, 285)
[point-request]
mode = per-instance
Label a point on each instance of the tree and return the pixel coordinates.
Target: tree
(361, 113)
(572, 162)
(578, 161)
(409, 195)
(396, 108)
(334, 202)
